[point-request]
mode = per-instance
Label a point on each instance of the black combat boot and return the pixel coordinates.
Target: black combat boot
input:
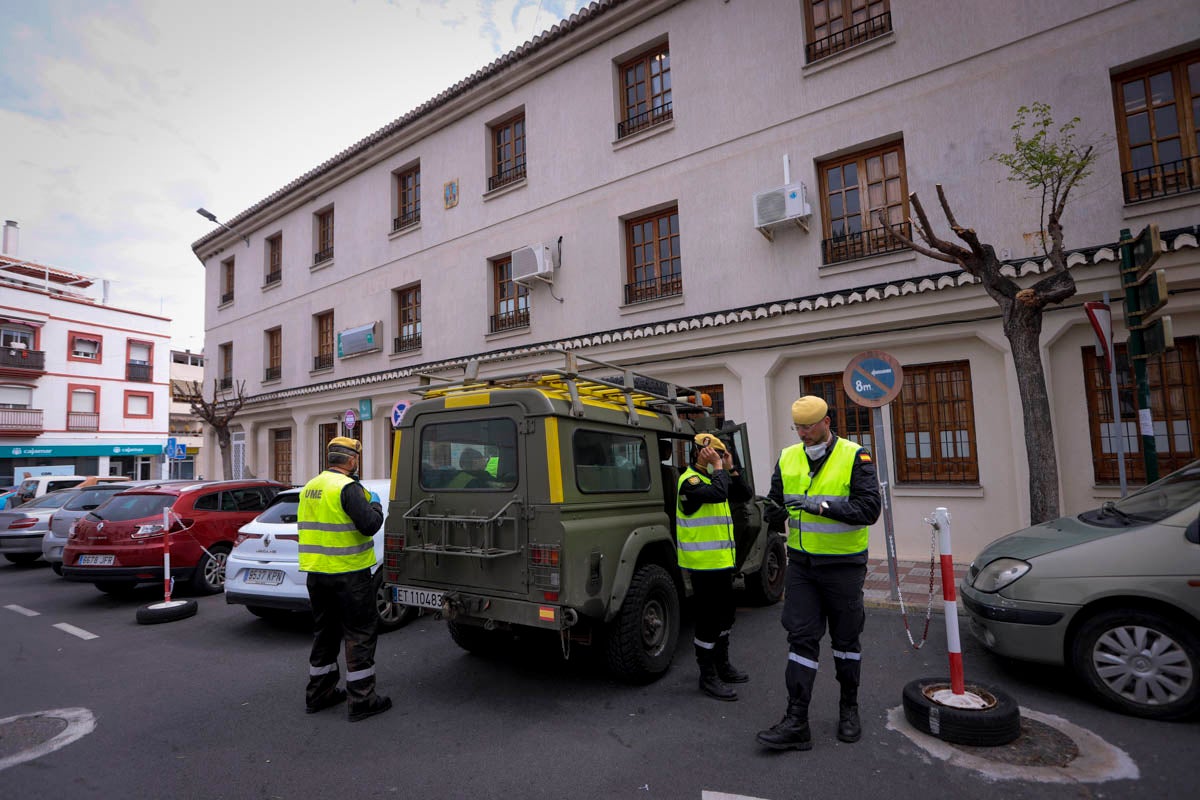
(728, 672)
(369, 708)
(792, 731)
(710, 682)
(849, 728)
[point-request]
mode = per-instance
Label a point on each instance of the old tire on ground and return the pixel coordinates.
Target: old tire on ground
(1139, 662)
(998, 724)
(478, 640)
(642, 638)
(392, 615)
(765, 587)
(209, 577)
(116, 588)
(22, 558)
(155, 613)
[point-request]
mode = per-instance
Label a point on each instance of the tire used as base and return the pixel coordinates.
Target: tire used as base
(987, 727)
(155, 613)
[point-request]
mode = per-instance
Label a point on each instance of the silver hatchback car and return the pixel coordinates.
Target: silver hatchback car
(1113, 593)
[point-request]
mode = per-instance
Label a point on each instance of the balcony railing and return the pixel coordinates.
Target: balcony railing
(861, 244)
(1162, 180)
(21, 358)
(322, 255)
(225, 382)
(272, 373)
(138, 372)
(83, 421)
(646, 119)
(226, 297)
(849, 37)
(508, 321)
(411, 217)
(507, 176)
(274, 276)
(653, 289)
(323, 361)
(20, 421)
(402, 344)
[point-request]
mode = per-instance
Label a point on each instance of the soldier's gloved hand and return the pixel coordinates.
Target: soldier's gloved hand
(775, 515)
(374, 498)
(808, 504)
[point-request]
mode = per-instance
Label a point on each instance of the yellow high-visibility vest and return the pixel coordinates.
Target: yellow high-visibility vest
(329, 540)
(704, 540)
(812, 533)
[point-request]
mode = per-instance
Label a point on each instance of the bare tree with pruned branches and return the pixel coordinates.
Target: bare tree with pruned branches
(219, 412)
(1054, 166)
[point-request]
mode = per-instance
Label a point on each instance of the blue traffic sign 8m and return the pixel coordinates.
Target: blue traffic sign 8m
(873, 378)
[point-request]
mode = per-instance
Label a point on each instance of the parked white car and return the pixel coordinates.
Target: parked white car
(263, 571)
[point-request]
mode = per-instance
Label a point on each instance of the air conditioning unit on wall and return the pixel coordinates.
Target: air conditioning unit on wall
(533, 262)
(785, 204)
(357, 340)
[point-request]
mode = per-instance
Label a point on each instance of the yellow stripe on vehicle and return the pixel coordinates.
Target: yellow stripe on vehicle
(471, 399)
(553, 460)
(395, 464)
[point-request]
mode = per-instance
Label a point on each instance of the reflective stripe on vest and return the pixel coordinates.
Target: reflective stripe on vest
(705, 538)
(329, 540)
(812, 533)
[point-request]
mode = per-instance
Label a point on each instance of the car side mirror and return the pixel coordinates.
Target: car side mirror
(1192, 534)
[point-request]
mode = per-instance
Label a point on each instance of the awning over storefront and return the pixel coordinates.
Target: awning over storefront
(53, 450)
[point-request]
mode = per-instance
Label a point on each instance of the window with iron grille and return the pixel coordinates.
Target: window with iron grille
(408, 319)
(645, 90)
(281, 454)
(1158, 127)
(854, 189)
(508, 152)
(225, 379)
(933, 425)
(850, 421)
(654, 266)
(408, 198)
(510, 301)
(274, 348)
(324, 225)
(323, 357)
(836, 25)
(1174, 380)
(274, 259)
(227, 281)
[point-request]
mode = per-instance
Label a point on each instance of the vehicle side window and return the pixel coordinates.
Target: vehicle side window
(610, 462)
(53, 486)
(208, 502)
(245, 500)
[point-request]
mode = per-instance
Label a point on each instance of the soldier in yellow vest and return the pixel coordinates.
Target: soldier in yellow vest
(826, 491)
(705, 547)
(337, 521)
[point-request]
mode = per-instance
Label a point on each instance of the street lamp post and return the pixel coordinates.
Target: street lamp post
(211, 217)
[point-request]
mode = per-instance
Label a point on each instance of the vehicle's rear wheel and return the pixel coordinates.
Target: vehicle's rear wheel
(765, 587)
(116, 588)
(1140, 662)
(392, 615)
(22, 558)
(642, 638)
(210, 571)
(477, 639)
(57, 567)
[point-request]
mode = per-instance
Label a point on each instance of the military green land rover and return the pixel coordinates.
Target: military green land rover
(546, 500)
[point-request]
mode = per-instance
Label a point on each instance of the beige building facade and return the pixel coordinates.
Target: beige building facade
(644, 169)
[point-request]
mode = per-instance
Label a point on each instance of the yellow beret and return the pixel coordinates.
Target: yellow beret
(708, 440)
(345, 443)
(809, 410)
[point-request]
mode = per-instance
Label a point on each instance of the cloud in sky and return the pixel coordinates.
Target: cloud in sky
(120, 119)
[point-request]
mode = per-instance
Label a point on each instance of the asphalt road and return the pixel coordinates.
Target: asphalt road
(212, 707)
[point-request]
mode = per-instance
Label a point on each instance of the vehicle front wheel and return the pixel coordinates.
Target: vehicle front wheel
(210, 572)
(642, 638)
(1140, 662)
(22, 558)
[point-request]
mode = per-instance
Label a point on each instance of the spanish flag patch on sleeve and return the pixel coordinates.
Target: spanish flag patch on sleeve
(864, 456)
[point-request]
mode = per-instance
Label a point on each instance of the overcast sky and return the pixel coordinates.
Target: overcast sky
(118, 119)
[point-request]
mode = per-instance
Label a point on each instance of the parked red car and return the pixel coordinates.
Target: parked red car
(120, 544)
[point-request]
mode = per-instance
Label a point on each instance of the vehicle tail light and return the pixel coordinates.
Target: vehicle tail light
(291, 537)
(71, 530)
(23, 522)
(550, 597)
(543, 566)
(242, 537)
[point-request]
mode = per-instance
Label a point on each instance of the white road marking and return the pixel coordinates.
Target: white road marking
(707, 795)
(71, 629)
(80, 723)
(28, 612)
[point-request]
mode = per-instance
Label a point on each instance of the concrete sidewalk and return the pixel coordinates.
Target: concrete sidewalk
(913, 577)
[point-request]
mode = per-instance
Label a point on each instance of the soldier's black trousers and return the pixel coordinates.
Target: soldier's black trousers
(344, 611)
(712, 600)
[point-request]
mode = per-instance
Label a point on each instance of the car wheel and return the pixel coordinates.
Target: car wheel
(478, 639)
(1140, 662)
(22, 558)
(116, 588)
(57, 567)
(392, 615)
(642, 638)
(155, 613)
(210, 571)
(996, 724)
(765, 587)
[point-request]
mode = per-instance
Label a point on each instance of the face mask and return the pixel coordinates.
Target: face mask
(711, 469)
(816, 450)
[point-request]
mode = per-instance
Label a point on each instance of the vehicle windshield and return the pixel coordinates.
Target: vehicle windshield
(469, 456)
(125, 507)
(48, 501)
(1163, 498)
(88, 499)
(283, 509)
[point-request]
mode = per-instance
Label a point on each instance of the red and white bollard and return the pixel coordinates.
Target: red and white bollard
(166, 555)
(168, 610)
(957, 695)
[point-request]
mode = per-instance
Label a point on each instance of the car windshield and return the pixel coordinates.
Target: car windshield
(478, 455)
(1163, 498)
(282, 510)
(88, 499)
(48, 501)
(124, 507)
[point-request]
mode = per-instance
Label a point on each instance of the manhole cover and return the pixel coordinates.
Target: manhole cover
(1039, 745)
(25, 732)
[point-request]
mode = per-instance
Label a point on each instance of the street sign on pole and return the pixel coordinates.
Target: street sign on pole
(171, 442)
(350, 419)
(1151, 292)
(1145, 250)
(398, 413)
(364, 408)
(180, 453)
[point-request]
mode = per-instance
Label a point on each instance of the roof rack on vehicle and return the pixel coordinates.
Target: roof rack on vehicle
(635, 390)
